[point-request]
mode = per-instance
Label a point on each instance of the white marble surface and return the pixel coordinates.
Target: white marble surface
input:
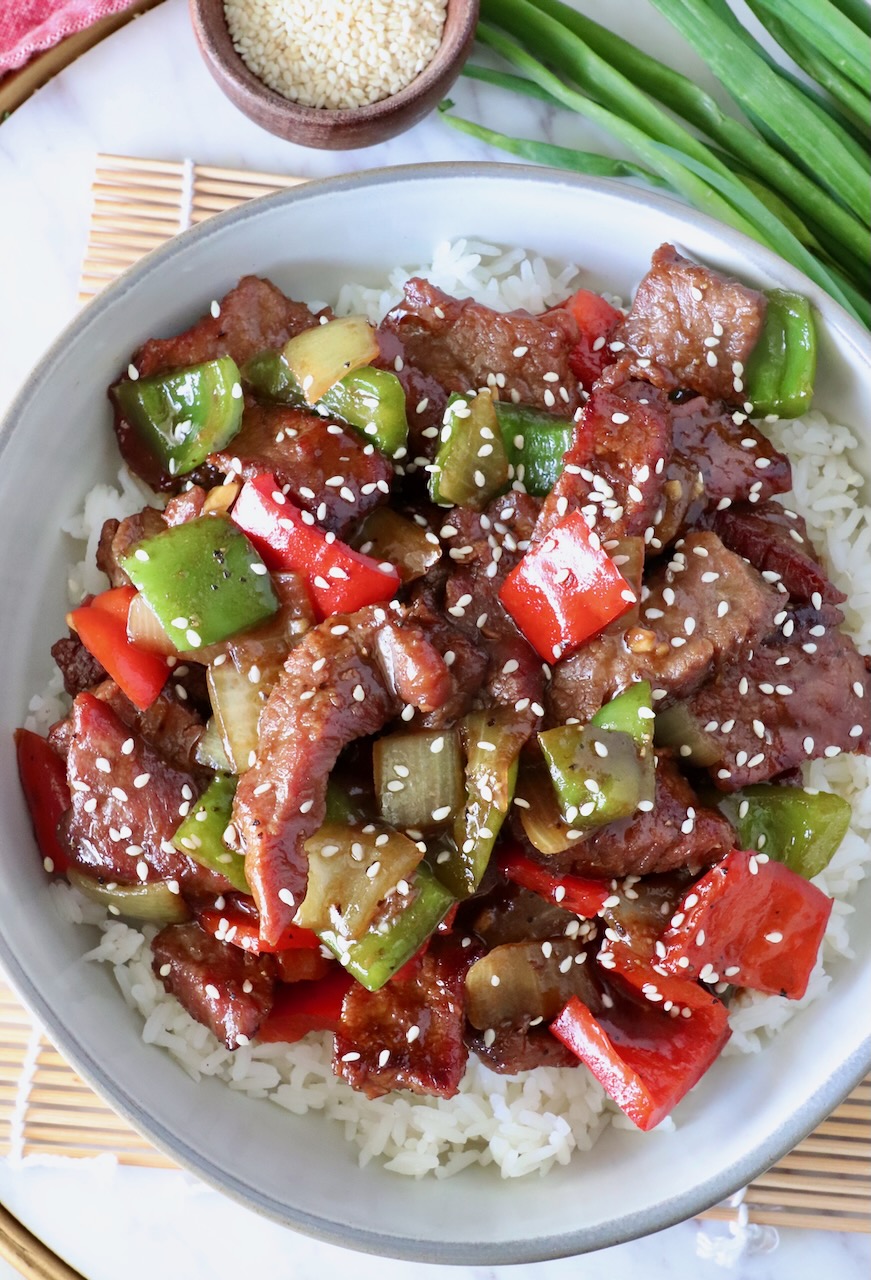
(144, 92)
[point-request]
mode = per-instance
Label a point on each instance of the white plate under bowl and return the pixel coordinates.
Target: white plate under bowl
(57, 442)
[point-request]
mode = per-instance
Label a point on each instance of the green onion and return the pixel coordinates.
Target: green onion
(800, 185)
(681, 95)
(589, 162)
(757, 88)
(541, 32)
(824, 27)
(779, 237)
(828, 112)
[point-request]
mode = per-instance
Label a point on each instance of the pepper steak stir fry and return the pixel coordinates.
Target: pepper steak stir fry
(457, 698)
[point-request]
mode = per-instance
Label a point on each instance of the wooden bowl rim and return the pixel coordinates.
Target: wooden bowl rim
(213, 34)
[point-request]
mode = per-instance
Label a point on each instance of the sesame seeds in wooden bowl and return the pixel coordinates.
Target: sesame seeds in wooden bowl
(336, 75)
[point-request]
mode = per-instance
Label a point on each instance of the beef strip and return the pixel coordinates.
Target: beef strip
(118, 537)
(735, 459)
(325, 467)
(517, 1049)
(614, 469)
(776, 542)
(170, 725)
(678, 832)
(704, 608)
(695, 323)
(777, 715)
(80, 670)
(485, 547)
(223, 987)
(428, 995)
(466, 660)
(118, 830)
(719, 458)
(255, 316)
(522, 1042)
(333, 690)
(510, 913)
(185, 506)
(425, 399)
(464, 345)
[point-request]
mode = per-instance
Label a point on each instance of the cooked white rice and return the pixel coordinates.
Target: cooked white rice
(526, 1123)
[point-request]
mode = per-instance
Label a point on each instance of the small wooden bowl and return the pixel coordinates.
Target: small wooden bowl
(322, 127)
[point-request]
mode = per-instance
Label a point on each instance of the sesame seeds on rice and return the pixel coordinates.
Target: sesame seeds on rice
(523, 1124)
(336, 53)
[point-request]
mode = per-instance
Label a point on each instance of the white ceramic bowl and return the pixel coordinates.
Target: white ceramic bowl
(57, 442)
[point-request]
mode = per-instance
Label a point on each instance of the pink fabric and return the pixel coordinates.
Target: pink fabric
(30, 26)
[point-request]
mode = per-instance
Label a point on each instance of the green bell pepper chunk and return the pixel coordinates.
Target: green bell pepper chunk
(800, 828)
(370, 400)
(679, 729)
(396, 934)
(471, 465)
(598, 774)
(184, 415)
(536, 443)
(203, 580)
(780, 373)
(630, 712)
(201, 835)
(271, 377)
(373, 402)
(493, 740)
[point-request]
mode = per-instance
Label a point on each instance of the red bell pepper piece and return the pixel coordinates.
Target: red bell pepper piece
(102, 628)
(575, 893)
(306, 1006)
(339, 579)
(43, 777)
(301, 964)
(749, 921)
(115, 602)
(650, 1047)
(597, 322)
(565, 589)
(238, 923)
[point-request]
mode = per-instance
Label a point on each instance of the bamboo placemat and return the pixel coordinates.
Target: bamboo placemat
(45, 1108)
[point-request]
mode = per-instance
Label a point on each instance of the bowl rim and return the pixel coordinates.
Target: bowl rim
(224, 54)
(622, 1228)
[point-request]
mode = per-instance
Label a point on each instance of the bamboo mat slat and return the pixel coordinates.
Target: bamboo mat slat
(45, 1108)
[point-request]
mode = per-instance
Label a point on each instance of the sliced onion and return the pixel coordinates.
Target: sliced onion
(519, 981)
(351, 871)
(419, 778)
(154, 901)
